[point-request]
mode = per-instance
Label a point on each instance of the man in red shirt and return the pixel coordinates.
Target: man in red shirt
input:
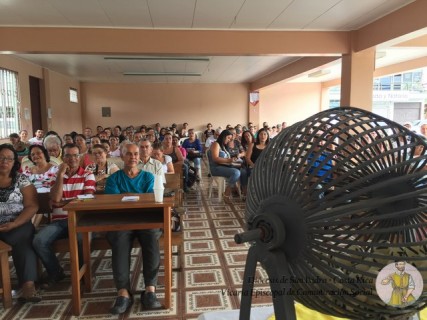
(71, 181)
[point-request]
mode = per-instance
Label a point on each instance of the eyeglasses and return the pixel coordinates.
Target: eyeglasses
(69, 156)
(4, 159)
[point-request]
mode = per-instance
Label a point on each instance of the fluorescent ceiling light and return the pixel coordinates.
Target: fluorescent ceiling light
(203, 59)
(165, 74)
(319, 73)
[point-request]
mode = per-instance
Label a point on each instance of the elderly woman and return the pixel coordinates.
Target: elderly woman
(221, 164)
(102, 168)
(18, 204)
(166, 161)
(53, 145)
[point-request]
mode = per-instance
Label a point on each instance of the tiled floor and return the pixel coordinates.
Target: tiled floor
(211, 274)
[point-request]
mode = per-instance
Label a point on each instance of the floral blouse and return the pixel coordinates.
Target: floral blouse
(42, 180)
(12, 200)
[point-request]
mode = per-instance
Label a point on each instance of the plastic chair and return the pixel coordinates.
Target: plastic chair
(219, 181)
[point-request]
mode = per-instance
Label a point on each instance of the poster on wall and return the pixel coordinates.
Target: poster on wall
(254, 98)
(106, 112)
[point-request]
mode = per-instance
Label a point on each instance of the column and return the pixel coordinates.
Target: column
(357, 71)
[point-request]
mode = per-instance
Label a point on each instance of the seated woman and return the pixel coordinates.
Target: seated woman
(175, 143)
(247, 139)
(42, 174)
(18, 204)
(166, 160)
(254, 150)
(176, 155)
(53, 145)
(184, 130)
(220, 163)
(101, 168)
(194, 150)
(85, 158)
(114, 147)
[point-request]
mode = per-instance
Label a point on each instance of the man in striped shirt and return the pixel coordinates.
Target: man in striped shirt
(71, 181)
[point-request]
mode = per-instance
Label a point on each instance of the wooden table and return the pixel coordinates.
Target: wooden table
(109, 213)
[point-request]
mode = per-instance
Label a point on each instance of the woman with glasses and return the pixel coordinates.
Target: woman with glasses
(101, 168)
(18, 204)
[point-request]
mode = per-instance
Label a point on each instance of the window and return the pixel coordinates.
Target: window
(74, 97)
(9, 103)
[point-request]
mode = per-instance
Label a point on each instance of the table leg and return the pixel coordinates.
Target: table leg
(5, 274)
(86, 262)
(168, 255)
(74, 263)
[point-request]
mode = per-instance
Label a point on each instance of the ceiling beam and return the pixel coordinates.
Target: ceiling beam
(291, 70)
(176, 42)
(401, 25)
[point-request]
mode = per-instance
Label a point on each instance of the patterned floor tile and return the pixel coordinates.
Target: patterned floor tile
(230, 244)
(197, 234)
(207, 300)
(204, 278)
(194, 216)
(222, 215)
(45, 309)
(226, 223)
(235, 258)
(201, 260)
(229, 232)
(196, 246)
(238, 272)
(188, 225)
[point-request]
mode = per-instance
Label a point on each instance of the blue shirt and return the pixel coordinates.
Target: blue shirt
(195, 144)
(119, 182)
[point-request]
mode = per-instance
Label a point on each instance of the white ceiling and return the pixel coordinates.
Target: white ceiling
(338, 15)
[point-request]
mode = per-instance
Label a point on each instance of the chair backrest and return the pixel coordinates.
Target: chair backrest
(45, 205)
(175, 182)
(181, 141)
(207, 154)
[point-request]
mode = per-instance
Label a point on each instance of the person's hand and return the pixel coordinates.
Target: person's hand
(62, 169)
(7, 226)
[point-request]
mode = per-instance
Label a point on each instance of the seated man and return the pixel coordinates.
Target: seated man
(194, 150)
(133, 180)
(71, 181)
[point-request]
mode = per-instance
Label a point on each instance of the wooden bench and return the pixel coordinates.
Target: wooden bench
(5, 288)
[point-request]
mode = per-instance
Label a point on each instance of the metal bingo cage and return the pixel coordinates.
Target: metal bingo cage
(331, 201)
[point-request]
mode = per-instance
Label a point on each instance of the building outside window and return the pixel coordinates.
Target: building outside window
(9, 103)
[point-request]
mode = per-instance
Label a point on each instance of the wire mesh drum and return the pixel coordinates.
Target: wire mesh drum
(349, 187)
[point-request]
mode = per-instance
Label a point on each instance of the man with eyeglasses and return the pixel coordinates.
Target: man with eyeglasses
(131, 179)
(71, 181)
